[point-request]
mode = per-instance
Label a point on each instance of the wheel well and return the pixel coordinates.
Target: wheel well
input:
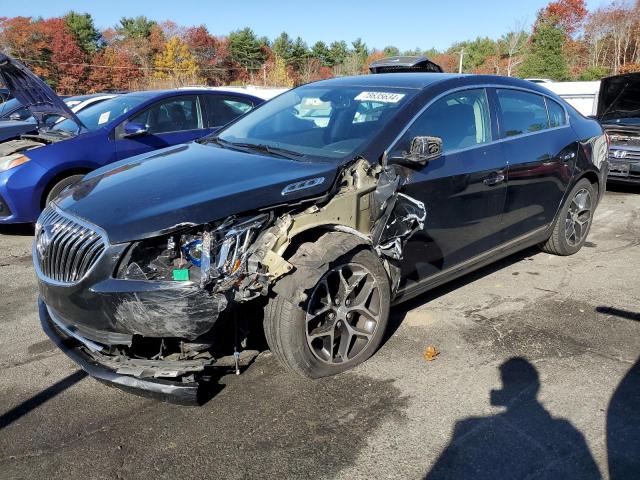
(312, 235)
(593, 178)
(57, 178)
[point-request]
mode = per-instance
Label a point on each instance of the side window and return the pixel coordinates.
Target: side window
(222, 109)
(171, 115)
(461, 119)
(21, 114)
(557, 115)
(522, 112)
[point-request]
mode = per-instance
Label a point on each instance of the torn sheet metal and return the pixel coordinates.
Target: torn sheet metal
(368, 204)
(406, 217)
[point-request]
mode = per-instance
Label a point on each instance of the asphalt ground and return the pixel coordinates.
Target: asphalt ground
(538, 376)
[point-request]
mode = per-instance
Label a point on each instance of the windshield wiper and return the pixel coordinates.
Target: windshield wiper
(260, 147)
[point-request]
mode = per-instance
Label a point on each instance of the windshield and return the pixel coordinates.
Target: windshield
(331, 122)
(623, 121)
(9, 106)
(99, 114)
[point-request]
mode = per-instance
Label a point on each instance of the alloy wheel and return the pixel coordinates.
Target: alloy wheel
(578, 217)
(343, 314)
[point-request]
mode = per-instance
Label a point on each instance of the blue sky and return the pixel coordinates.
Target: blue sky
(404, 23)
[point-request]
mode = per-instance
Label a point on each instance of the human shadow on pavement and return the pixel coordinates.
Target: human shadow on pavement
(524, 441)
(623, 416)
(45, 395)
(623, 427)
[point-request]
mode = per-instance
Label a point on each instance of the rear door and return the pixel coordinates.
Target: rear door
(464, 190)
(540, 148)
(169, 121)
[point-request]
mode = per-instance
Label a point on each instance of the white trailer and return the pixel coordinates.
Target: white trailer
(583, 96)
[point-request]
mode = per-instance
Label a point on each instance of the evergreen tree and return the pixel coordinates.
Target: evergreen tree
(82, 28)
(282, 46)
(338, 51)
(545, 56)
(360, 48)
(247, 49)
(299, 54)
(138, 27)
(322, 53)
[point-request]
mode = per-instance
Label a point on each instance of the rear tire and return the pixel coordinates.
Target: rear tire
(60, 186)
(330, 314)
(574, 221)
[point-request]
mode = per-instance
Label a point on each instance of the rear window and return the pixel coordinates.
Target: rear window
(557, 116)
(223, 109)
(522, 112)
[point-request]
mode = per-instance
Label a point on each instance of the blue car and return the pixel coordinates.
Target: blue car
(16, 119)
(35, 168)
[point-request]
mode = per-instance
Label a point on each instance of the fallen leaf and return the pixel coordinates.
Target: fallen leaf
(430, 353)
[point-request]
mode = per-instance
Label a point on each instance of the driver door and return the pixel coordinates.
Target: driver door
(464, 190)
(170, 121)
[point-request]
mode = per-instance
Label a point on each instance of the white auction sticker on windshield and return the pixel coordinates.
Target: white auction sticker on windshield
(383, 97)
(104, 118)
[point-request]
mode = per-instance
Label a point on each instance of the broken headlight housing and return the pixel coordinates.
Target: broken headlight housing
(202, 254)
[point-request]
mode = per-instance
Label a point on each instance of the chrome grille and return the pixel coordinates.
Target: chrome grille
(618, 153)
(65, 248)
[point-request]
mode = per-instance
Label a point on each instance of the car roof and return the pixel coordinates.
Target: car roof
(421, 81)
(182, 91)
(414, 80)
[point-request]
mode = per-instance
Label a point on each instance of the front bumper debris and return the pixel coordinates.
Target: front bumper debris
(184, 393)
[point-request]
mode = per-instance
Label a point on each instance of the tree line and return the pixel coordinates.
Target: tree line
(565, 42)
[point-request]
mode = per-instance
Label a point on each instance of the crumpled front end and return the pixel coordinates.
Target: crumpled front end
(150, 310)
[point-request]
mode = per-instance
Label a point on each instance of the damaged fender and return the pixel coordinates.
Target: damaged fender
(368, 205)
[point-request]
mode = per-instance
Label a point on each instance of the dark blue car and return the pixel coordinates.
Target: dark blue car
(313, 213)
(36, 167)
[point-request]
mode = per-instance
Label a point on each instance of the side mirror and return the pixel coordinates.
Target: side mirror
(421, 151)
(135, 130)
(15, 116)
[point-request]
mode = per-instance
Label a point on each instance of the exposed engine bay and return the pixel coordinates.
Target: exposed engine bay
(12, 149)
(242, 256)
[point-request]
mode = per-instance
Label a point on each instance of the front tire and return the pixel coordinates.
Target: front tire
(331, 313)
(574, 221)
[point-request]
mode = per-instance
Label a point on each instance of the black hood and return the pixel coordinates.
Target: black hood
(32, 92)
(619, 97)
(187, 184)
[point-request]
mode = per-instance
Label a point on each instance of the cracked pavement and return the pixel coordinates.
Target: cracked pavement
(534, 380)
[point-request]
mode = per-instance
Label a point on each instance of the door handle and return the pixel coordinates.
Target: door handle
(568, 156)
(494, 179)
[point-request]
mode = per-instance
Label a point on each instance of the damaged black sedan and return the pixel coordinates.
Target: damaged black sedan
(321, 208)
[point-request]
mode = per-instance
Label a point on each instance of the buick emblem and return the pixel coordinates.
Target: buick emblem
(43, 240)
